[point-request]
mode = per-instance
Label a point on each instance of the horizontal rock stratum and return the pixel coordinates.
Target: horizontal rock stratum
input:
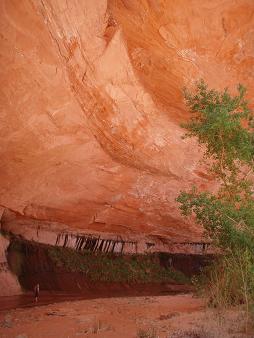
(91, 103)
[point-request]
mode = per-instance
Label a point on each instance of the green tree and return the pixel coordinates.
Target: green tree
(223, 126)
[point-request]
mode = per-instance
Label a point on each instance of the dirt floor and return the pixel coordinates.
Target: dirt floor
(178, 316)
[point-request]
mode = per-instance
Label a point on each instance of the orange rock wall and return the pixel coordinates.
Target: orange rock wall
(9, 284)
(91, 104)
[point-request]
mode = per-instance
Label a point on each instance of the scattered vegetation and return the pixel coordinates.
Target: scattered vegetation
(115, 268)
(96, 266)
(223, 126)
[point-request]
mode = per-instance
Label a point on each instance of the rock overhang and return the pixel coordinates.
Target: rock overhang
(91, 106)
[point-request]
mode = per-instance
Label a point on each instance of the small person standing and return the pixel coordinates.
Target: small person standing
(36, 292)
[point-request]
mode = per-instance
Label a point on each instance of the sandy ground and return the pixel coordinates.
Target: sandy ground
(168, 316)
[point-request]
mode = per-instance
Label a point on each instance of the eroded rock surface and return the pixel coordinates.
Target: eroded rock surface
(59, 234)
(91, 104)
(9, 284)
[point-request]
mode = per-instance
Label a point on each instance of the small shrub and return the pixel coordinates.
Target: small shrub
(230, 282)
(147, 333)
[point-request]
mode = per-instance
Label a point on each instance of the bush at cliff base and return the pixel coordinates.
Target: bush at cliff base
(223, 126)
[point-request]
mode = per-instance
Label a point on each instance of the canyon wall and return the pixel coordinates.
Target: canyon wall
(61, 269)
(15, 225)
(9, 284)
(91, 104)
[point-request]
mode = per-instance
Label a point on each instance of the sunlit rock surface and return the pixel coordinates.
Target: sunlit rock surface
(17, 226)
(91, 105)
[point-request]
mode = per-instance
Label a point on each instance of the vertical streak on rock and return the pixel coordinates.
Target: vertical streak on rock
(97, 243)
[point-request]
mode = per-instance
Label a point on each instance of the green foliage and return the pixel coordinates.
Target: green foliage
(229, 281)
(223, 124)
(217, 123)
(115, 268)
(230, 226)
(223, 127)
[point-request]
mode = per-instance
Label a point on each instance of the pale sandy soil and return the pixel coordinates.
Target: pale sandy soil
(120, 318)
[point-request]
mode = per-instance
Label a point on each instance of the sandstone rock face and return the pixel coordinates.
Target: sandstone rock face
(91, 104)
(58, 234)
(9, 284)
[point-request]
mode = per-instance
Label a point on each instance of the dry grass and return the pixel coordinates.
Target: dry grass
(99, 326)
(147, 333)
(210, 324)
(196, 333)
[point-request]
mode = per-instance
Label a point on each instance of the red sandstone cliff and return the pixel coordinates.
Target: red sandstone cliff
(9, 284)
(91, 104)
